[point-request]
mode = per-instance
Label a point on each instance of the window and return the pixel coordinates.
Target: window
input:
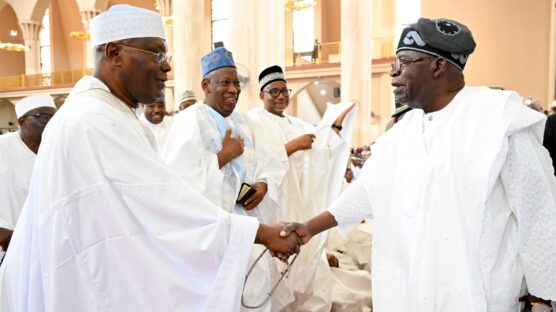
(219, 21)
(303, 30)
(44, 39)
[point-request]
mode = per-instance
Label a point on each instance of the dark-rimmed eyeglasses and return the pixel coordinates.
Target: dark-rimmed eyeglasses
(399, 63)
(43, 118)
(276, 92)
(158, 56)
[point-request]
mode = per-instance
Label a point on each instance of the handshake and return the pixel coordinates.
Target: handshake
(283, 239)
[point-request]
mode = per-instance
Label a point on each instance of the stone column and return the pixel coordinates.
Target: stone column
(257, 40)
(31, 30)
(551, 100)
(86, 17)
(191, 41)
(166, 13)
(356, 67)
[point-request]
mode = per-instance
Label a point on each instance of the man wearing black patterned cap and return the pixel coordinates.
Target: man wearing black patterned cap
(461, 190)
(314, 160)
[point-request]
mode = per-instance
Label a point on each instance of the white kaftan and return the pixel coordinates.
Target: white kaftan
(464, 207)
(107, 226)
(16, 166)
(159, 131)
(312, 181)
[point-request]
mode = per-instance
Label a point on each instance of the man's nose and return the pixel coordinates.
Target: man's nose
(394, 72)
(233, 88)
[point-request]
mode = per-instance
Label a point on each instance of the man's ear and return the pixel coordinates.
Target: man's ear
(205, 85)
(113, 53)
(261, 96)
(440, 66)
(21, 120)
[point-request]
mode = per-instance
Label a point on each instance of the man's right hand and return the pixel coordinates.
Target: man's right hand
(232, 147)
(278, 245)
(301, 143)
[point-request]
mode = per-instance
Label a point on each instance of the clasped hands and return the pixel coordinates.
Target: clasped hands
(283, 239)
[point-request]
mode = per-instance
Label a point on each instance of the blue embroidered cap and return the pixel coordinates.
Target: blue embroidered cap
(215, 59)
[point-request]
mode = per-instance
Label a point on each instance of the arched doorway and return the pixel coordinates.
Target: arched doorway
(8, 118)
(310, 102)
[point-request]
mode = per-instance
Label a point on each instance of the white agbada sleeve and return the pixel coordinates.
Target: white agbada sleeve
(352, 207)
(531, 191)
(183, 151)
(109, 227)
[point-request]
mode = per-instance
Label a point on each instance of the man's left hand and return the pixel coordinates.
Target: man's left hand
(254, 200)
(340, 120)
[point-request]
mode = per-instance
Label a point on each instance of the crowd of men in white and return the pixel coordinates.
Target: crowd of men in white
(140, 211)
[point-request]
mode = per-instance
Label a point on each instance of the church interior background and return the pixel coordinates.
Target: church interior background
(331, 50)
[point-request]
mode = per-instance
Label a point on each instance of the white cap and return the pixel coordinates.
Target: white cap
(187, 95)
(124, 21)
(31, 102)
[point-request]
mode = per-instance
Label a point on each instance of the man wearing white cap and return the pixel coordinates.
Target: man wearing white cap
(17, 152)
(187, 98)
(107, 226)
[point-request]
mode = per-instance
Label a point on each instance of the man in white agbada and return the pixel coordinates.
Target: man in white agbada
(107, 226)
(211, 145)
(313, 159)
(155, 119)
(17, 157)
(186, 99)
(461, 191)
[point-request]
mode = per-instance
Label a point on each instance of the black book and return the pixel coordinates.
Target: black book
(245, 192)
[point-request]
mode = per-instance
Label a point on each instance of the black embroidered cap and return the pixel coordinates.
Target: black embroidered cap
(271, 74)
(439, 37)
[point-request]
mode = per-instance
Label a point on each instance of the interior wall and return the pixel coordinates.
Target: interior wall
(384, 15)
(11, 63)
(330, 21)
(69, 53)
(146, 4)
(512, 42)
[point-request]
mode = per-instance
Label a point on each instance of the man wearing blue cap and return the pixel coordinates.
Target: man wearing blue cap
(107, 226)
(461, 190)
(211, 145)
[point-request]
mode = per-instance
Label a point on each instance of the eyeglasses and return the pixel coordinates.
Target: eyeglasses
(398, 63)
(158, 56)
(275, 92)
(43, 118)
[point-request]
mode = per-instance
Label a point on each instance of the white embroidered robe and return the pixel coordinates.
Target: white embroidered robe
(464, 208)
